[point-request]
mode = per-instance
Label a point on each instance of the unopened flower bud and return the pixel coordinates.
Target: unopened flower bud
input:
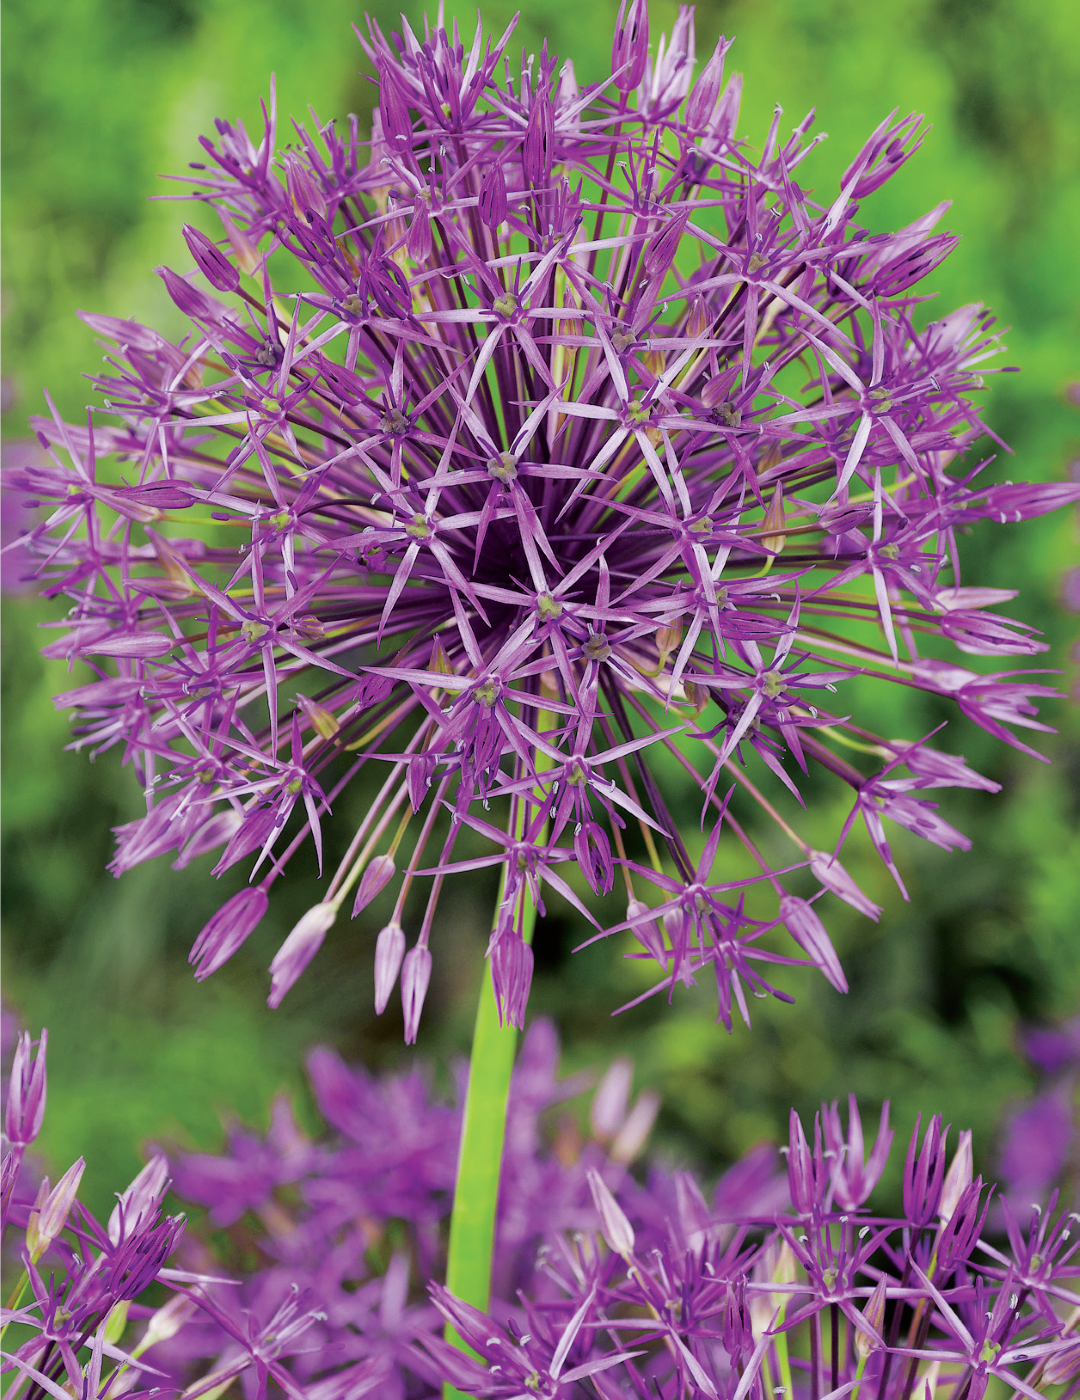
(304, 192)
(774, 521)
(211, 261)
(643, 927)
(835, 878)
(669, 638)
(511, 976)
(415, 976)
(614, 1226)
(802, 922)
(389, 951)
(957, 1178)
(869, 1323)
(299, 948)
(324, 722)
(377, 875)
(51, 1210)
(26, 1094)
(493, 197)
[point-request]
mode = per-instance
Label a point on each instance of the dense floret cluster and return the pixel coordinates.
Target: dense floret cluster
(548, 428)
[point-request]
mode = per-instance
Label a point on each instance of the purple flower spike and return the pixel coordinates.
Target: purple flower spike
(532, 502)
(26, 1092)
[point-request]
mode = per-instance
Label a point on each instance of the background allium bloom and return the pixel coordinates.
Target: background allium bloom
(592, 432)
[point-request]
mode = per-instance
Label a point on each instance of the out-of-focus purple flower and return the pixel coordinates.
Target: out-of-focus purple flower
(1037, 1142)
(18, 516)
(525, 493)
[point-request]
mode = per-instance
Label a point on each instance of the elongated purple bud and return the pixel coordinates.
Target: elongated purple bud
(298, 949)
(802, 922)
(50, 1216)
(418, 240)
(614, 1226)
(189, 299)
(131, 645)
(415, 976)
(493, 197)
(630, 51)
(26, 1095)
(304, 192)
(375, 878)
(511, 976)
(593, 850)
(394, 107)
(661, 250)
(536, 152)
(211, 261)
(924, 1174)
(389, 951)
(226, 931)
(703, 97)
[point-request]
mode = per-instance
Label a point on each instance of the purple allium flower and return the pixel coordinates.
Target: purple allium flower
(595, 434)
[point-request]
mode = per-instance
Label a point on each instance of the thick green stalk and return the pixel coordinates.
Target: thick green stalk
(472, 1224)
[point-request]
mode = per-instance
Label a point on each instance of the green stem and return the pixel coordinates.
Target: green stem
(472, 1225)
(780, 1347)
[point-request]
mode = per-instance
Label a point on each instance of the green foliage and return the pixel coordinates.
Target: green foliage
(98, 97)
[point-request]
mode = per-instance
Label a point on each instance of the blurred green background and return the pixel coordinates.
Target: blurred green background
(100, 97)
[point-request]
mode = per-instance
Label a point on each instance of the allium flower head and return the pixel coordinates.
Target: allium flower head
(544, 429)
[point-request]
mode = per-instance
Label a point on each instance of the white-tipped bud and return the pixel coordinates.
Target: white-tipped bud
(957, 1178)
(869, 1322)
(51, 1212)
(614, 1226)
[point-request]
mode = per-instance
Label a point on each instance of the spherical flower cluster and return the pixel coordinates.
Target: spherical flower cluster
(549, 429)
